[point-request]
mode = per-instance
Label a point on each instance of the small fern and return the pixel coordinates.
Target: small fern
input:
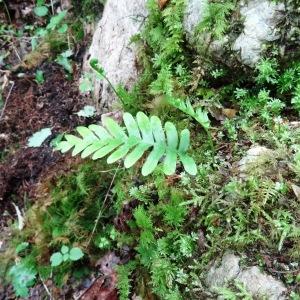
(143, 133)
(199, 115)
(216, 18)
(124, 281)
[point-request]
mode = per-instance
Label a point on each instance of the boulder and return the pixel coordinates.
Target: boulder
(112, 46)
(121, 20)
(220, 274)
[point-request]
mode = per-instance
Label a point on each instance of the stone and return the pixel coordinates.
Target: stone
(227, 270)
(253, 156)
(261, 285)
(112, 46)
(194, 14)
(256, 282)
(260, 20)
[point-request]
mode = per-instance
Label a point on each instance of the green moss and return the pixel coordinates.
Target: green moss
(67, 216)
(88, 8)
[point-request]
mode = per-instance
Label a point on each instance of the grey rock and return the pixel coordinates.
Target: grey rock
(252, 157)
(261, 18)
(261, 285)
(256, 282)
(112, 47)
(228, 269)
(194, 14)
(260, 21)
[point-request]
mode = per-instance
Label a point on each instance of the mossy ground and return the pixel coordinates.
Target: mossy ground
(174, 226)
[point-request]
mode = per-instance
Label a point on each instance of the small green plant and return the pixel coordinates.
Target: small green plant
(41, 10)
(199, 114)
(65, 254)
(96, 66)
(124, 281)
(86, 84)
(63, 59)
(216, 18)
(143, 133)
(267, 71)
(39, 77)
(38, 138)
(87, 111)
(22, 276)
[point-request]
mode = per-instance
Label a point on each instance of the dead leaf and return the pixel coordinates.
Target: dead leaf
(104, 287)
(162, 3)
(125, 215)
(216, 113)
(108, 263)
(201, 241)
(230, 113)
(220, 114)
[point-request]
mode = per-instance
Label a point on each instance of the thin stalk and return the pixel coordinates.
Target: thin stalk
(211, 143)
(6, 100)
(113, 88)
(103, 204)
(7, 11)
(95, 66)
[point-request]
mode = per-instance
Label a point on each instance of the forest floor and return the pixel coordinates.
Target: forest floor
(152, 237)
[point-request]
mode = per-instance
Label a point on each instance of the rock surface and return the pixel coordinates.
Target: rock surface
(252, 157)
(261, 19)
(260, 284)
(257, 283)
(194, 14)
(112, 47)
(226, 271)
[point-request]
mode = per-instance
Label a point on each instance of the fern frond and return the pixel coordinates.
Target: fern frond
(143, 133)
(185, 106)
(124, 279)
(143, 219)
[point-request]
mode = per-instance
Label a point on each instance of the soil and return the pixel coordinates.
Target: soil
(30, 108)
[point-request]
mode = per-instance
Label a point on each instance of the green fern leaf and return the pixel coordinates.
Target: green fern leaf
(199, 115)
(130, 143)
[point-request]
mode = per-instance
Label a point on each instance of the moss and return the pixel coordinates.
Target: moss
(88, 8)
(67, 216)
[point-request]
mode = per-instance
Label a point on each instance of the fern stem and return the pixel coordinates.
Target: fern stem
(211, 143)
(103, 203)
(114, 90)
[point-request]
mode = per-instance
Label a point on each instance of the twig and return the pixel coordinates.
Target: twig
(86, 290)
(103, 203)
(46, 289)
(52, 7)
(6, 100)
(19, 216)
(17, 53)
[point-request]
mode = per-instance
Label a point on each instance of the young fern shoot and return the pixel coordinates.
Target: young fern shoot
(143, 133)
(199, 115)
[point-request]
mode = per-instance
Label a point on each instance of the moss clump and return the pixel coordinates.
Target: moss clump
(67, 216)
